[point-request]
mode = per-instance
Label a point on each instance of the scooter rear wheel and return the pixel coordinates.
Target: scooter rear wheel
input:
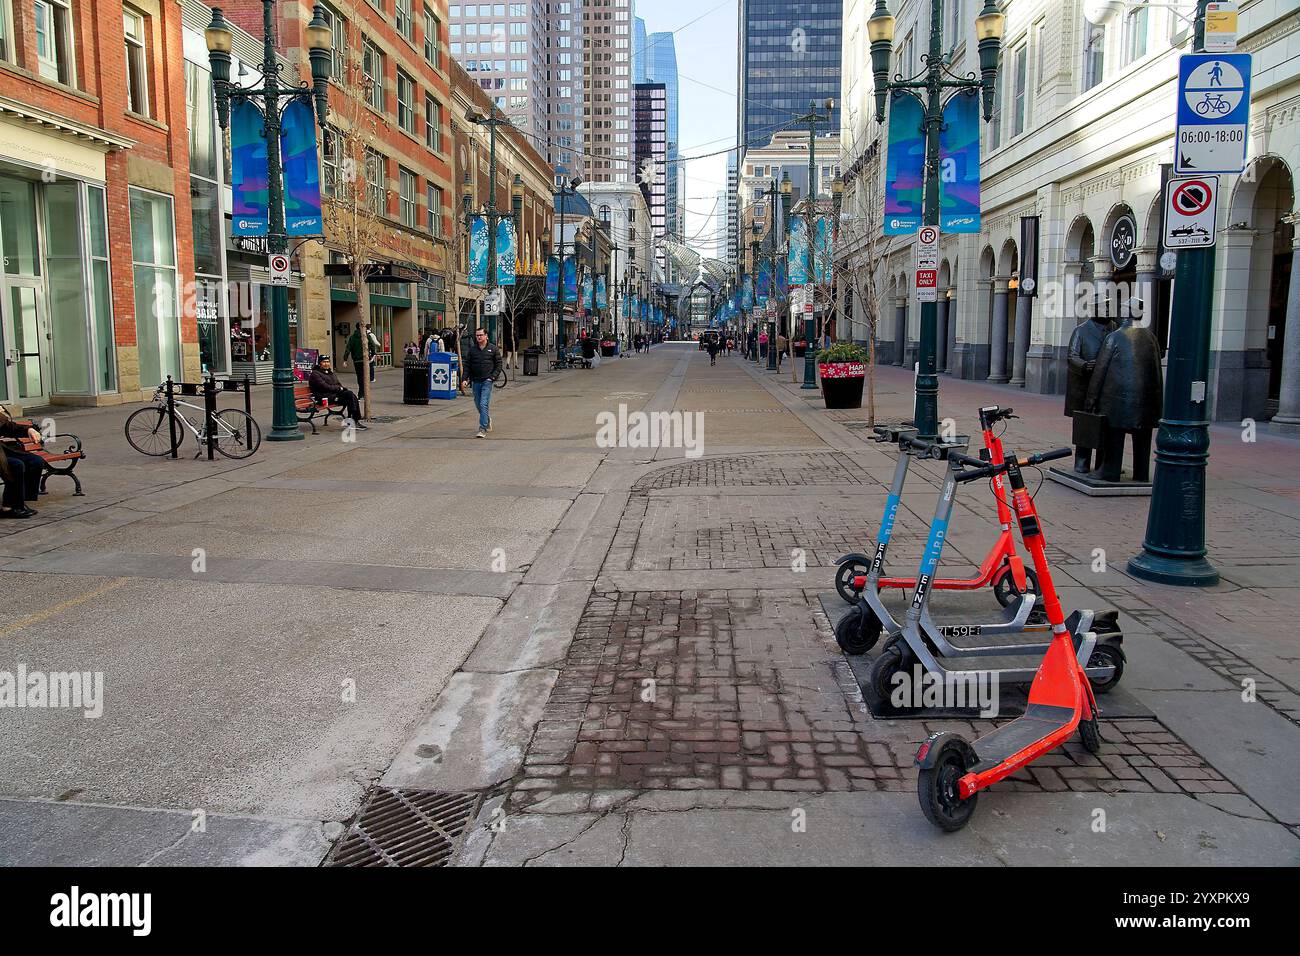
(936, 787)
(844, 576)
(1090, 735)
(1103, 655)
(1004, 585)
(857, 632)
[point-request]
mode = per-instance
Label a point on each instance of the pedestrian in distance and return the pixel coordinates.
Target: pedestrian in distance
(482, 362)
(325, 385)
(782, 345)
(714, 346)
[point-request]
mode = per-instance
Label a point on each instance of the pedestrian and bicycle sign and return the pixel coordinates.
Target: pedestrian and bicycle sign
(1213, 113)
(1190, 206)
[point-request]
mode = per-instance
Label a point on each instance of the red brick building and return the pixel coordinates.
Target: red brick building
(93, 185)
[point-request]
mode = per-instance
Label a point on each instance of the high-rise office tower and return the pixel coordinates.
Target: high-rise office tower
(607, 90)
(661, 67)
(639, 44)
(733, 210)
(651, 153)
(528, 57)
(789, 56)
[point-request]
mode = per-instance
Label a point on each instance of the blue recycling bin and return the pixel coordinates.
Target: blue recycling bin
(444, 375)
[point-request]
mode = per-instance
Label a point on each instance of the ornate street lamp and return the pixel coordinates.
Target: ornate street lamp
(787, 199)
(928, 87)
(220, 38)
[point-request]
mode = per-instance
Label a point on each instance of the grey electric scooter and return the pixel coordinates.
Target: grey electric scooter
(974, 651)
(859, 630)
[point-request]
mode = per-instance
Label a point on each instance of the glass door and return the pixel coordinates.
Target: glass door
(25, 336)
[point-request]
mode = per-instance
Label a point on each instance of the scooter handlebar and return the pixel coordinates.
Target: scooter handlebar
(982, 469)
(1046, 456)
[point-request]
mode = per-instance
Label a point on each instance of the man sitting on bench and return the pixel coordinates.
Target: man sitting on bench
(20, 470)
(325, 386)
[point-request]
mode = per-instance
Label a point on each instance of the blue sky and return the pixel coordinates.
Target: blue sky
(705, 37)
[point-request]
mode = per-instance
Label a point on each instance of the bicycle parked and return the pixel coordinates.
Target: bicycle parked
(236, 434)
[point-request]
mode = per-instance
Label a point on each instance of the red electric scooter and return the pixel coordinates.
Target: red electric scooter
(1002, 567)
(953, 770)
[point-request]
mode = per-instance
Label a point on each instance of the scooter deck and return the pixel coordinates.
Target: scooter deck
(1039, 722)
(1031, 640)
(1018, 669)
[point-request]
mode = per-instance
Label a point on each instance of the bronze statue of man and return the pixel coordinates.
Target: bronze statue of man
(1127, 387)
(1085, 346)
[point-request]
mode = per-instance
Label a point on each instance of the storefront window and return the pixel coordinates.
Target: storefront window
(66, 282)
(251, 339)
(381, 320)
(210, 307)
(18, 227)
(101, 289)
(157, 323)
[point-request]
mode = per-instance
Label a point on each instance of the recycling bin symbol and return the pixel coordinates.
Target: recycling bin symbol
(440, 375)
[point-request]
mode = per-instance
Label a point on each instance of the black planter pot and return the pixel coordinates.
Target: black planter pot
(800, 350)
(843, 392)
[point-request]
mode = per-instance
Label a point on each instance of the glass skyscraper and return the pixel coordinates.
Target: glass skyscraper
(660, 61)
(789, 56)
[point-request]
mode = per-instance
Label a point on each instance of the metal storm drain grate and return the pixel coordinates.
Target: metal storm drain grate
(406, 828)
(388, 419)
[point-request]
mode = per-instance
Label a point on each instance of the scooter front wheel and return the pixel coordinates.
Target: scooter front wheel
(1090, 734)
(844, 576)
(857, 631)
(936, 787)
(1004, 585)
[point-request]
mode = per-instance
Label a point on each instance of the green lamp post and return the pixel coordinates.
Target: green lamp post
(928, 87)
(219, 38)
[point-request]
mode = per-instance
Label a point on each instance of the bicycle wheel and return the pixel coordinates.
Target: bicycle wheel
(148, 432)
(233, 429)
(499, 379)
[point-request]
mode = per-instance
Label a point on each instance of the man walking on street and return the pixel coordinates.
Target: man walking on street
(482, 362)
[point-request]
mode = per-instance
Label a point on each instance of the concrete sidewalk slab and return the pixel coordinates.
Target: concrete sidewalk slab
(45, 833)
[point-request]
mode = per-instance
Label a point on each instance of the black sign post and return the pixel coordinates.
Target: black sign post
(1028, 257)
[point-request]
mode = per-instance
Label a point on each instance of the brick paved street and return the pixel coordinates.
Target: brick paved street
(613, 655)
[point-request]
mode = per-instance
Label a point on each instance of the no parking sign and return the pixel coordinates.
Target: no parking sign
(1191, 203)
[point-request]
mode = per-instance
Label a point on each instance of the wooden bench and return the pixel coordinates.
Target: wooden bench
(308, 407)
(60, 459)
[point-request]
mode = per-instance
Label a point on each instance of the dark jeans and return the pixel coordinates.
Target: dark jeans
(25, 471)
(348, 400)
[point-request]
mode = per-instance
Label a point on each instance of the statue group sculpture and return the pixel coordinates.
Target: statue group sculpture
(1115, 388)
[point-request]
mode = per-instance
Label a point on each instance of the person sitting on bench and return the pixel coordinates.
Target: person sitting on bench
(20, 470)
(325, 386)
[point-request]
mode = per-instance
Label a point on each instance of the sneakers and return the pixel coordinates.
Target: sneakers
(489, 428)
(481, 434)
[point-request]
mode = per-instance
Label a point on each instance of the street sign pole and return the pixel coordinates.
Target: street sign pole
(1174, 551)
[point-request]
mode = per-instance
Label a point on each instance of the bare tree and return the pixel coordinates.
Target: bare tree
(526, 295)
(356, 194)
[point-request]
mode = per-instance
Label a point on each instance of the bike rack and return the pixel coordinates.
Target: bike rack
(208, 389)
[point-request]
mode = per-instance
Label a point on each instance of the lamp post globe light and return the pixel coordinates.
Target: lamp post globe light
(219, 39)
(928, 87)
